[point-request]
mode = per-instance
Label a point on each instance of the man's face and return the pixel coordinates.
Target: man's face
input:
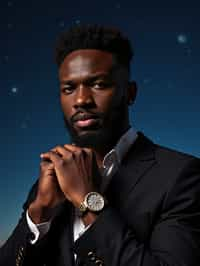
(93, 96)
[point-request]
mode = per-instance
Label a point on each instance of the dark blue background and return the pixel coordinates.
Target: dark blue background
(166, 40)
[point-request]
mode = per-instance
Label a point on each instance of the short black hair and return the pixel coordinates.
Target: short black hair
(94, 37)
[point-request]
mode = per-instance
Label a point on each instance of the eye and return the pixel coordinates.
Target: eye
(101, 85)
(67, 89)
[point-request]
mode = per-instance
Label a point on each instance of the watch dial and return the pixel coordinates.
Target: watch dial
(95, 202)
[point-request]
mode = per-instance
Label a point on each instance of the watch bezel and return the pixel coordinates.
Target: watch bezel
(91, 208)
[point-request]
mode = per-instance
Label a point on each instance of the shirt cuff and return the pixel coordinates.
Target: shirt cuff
(39, 230)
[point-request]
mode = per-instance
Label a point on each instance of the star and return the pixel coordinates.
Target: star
(77, 21)
(182, 38)
(14, 90)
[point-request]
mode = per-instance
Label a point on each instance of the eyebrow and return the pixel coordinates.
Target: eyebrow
(91, 78)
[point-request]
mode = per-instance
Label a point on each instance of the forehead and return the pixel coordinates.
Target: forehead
(85, 62)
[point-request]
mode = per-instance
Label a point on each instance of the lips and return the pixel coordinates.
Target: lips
(86, 123)
(85, 120)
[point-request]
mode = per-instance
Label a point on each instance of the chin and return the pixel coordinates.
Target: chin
(90, 138)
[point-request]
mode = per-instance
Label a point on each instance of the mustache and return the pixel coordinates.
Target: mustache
(83, 115)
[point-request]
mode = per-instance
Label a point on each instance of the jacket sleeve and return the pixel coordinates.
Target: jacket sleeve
(174, 239)
(17, 250)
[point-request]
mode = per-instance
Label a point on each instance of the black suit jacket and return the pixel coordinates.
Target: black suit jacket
(153, 218)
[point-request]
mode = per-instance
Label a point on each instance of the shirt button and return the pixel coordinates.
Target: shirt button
(99, 262)
(90, 254)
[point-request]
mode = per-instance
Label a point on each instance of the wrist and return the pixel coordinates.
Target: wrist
(38, 213)
(89, 218)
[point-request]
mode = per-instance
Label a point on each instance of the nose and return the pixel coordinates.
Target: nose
(83, 97)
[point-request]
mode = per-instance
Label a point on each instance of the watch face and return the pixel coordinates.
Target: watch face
(95, 202)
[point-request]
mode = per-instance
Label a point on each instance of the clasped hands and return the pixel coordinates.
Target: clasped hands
(66, 172)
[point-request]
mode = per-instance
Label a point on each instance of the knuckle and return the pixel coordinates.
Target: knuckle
(78, 152)
(65, 145)
(69, 157)
(88, 153)
(88, 150)
(52, 153)
(58, 147)
(60, 162)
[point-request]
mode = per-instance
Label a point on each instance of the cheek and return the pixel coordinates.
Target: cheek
(105, 102)
(110, 104)
(66, 107)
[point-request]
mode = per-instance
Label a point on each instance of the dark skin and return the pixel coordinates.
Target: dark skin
(93, 88)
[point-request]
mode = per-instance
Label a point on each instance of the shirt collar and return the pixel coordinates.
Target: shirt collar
(116, 155)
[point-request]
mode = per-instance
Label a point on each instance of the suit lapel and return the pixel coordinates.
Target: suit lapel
(138, 161)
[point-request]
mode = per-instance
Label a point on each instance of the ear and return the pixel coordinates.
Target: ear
(132, 92)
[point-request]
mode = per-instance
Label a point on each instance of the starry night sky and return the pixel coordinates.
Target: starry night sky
(166, 41)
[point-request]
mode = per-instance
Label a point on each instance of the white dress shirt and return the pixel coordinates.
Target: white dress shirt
(111, 163)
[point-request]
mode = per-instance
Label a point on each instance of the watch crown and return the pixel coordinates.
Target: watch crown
(82, 207)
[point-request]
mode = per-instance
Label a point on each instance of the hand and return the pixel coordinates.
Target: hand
(49, 194)
(76, 170)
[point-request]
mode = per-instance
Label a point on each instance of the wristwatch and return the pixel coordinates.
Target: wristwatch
(93, 202)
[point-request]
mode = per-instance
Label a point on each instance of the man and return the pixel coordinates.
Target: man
(111, 197)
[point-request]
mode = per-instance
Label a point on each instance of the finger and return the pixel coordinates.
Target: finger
(46, 162)
(88, 151)
(52, 156)
(87, 159)
(72, 148)
(61, 151)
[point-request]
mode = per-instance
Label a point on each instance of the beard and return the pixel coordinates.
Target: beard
(108, 133)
